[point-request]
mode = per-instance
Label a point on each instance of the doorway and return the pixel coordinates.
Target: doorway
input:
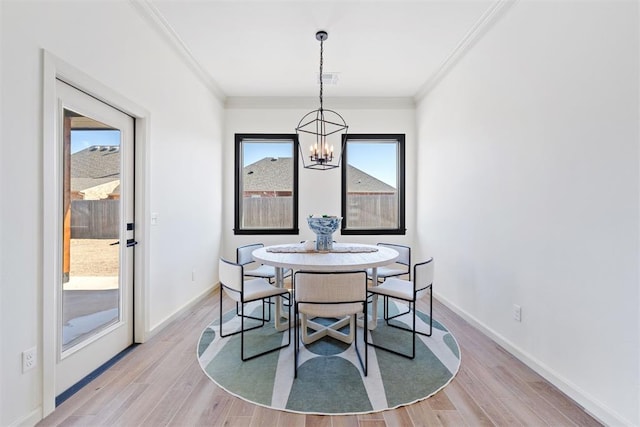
(94, 295)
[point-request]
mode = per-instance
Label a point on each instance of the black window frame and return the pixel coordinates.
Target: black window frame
(239, 138)
(401, 229)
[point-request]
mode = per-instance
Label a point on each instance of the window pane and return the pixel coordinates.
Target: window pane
(373, 201)
(266, 184)
(91, 200)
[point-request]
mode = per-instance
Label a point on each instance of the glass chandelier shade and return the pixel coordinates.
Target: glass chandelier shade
(316, 127)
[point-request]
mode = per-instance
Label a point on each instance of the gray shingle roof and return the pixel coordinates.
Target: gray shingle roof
(274, 174)
(362, 182)
(93, 166)
(269, 174)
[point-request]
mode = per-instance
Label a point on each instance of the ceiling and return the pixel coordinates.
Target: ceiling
(265, 48)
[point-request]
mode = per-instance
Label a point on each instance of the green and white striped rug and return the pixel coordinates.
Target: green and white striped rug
(329, 376)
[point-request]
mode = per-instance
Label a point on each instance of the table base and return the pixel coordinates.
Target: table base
(331, 330)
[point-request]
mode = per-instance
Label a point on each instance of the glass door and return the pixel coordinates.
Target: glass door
(95, 309)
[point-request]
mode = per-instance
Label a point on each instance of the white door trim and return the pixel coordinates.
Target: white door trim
(55, 68)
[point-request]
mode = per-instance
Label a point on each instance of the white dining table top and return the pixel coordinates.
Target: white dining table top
(327, 261)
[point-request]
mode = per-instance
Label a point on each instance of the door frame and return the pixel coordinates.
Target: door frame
(55, 68)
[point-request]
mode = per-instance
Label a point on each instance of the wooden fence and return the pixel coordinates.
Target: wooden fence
(100, 219)
(372, 211)
(267, 212)
(95, 219)
(364, 211)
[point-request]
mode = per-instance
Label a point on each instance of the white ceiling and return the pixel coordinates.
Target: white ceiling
(268, 48)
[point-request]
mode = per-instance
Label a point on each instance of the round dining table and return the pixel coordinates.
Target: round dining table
(343, 257)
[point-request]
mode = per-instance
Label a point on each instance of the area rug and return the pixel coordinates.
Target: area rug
(329, 379)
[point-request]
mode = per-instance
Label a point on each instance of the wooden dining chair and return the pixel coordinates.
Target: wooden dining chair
(332, 295)
(243, 291)
(409, 291)
(400, 267)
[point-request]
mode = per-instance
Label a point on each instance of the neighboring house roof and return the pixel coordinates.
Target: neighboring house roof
(102, 191)
(268, 174)
(362, 182)
(274, 174)
(93, 166)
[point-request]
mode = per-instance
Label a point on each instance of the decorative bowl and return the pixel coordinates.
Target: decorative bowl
(324, 227)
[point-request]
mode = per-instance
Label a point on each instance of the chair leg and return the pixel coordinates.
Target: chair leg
(244, 358)
(296, 348)
(412, 330)
(365, 364)
(386, 311)
(220, 310)
(242, 315)
(365, 330)
(430, 310)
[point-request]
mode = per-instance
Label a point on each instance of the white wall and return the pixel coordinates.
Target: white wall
(110, 42)
(2, 191)
(529, 193)
(319, 191)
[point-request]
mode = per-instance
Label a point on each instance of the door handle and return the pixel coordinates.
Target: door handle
(130, 242)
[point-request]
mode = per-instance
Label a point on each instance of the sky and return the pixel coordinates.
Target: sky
(81, 139)
(370, 157)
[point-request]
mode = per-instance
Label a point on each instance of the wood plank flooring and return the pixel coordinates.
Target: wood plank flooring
(160, 383)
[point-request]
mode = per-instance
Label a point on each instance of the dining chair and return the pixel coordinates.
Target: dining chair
(334, 295)
(409, 291)
(233, 283)
(244, 258)
(400, 267)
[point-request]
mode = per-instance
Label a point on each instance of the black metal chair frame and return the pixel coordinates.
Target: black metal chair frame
(258, 245)
(411, 302)
(242, 315)
(286, 272)
(364, 365)
(394, 245)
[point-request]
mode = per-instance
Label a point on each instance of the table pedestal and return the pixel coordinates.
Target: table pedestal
(331, 330)
(321, 329)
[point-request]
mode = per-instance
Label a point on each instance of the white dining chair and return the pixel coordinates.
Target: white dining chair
(400, 267)
(243, 291)
(244, 258)
(332, 295)
(409, 291)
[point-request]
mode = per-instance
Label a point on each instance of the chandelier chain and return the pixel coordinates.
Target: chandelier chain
(321, 63)
(321, 129)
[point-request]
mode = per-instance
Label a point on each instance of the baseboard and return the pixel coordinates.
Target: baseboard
(164, 323)
(31, 419)
(591, 405)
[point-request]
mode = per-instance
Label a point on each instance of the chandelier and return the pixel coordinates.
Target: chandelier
(316, 126)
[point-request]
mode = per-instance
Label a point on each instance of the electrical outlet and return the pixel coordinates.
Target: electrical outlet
(517, 313)
(29, 359)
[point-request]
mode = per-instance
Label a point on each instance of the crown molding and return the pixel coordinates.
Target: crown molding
(482, 25)
(155, 18)
(308, 102)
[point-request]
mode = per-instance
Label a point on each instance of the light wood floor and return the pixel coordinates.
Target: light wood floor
(160, 383)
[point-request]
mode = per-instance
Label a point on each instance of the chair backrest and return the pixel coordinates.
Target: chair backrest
(243, 253)
(330, 287)
(230, 274)
(404, 251)
(423, 274)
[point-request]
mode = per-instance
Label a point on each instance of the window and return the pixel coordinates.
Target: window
(373, 184)
(266, 184)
